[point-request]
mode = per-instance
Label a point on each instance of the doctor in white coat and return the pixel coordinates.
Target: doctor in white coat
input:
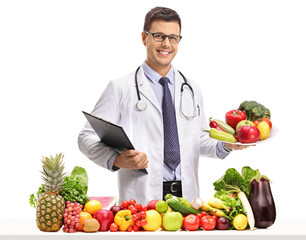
(143, 123)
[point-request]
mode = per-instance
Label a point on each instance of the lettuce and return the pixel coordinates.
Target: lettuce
(81, 174)
(234, 182)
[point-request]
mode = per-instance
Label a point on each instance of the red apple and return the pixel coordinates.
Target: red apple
(248, 134)
(152, 204)
(105, 218)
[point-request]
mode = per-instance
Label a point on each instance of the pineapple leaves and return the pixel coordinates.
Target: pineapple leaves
(56, 182)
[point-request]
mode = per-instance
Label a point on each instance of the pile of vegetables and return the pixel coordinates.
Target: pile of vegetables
(250, 123)
(253, 191)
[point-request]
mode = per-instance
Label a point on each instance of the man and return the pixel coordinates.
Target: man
(166, 129)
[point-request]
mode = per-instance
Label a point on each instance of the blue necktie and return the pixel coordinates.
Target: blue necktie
(172, 156)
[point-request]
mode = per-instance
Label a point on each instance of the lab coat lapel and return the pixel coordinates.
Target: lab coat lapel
(146, 90)
(179, 119)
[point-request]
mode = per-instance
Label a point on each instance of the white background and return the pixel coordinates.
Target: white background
(56, 58)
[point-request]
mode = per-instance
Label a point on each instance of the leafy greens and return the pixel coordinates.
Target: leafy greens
(232, 181)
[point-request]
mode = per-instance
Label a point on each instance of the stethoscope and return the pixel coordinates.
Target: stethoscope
(142, 105)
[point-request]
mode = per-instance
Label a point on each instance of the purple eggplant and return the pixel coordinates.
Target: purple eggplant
(262, 202)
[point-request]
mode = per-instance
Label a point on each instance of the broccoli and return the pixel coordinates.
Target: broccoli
(254, 110)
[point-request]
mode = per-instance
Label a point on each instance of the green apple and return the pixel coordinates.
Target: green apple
(244, 123)
(172, 221)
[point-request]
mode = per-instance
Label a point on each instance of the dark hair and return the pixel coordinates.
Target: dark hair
(161, 13)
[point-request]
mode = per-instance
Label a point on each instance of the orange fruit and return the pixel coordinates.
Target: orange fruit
(83, 217)
(92, 207)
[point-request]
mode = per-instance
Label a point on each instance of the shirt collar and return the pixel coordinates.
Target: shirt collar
(154, 77)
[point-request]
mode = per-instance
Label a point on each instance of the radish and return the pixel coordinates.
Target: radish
(245, 203)
(247, 207)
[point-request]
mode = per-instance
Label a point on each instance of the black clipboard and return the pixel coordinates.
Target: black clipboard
(110, 134)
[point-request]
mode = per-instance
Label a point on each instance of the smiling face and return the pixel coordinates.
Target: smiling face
(160, 54)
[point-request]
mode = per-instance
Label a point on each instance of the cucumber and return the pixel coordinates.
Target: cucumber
(176, 206)
(227, 128)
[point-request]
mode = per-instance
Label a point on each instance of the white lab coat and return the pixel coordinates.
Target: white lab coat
(145, 130)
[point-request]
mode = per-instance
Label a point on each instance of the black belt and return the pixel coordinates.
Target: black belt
(172, 187)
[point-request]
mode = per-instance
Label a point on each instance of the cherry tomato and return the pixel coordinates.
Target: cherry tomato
(130, 229)
(125, 204)
(143, 222)
(134, 217)
(232, 195)
(256, 122)
(143, 214)
(215, 217)
(204, 213)
(191, 222)
(208, 223)
(134, 210)
(138, 223)
(113, 227)
(132, 202)
(135, 228)
(138, 206)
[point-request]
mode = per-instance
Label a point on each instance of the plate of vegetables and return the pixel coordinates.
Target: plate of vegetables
(249, 124)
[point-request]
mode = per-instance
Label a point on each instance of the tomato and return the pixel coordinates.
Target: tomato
(191, 222)
(208, 223)
(138, 206)
(125, 204)
(130, 229)
(256, 122)
(113, 227)
(267, 120)
(232, 195)
(135, 228)
(132, 202)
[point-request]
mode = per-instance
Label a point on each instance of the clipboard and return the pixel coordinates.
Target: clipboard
(111, 134)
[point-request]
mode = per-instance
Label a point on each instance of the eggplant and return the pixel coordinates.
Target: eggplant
(262, 202)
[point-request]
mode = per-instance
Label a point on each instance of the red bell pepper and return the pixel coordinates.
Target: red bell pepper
(233, 117)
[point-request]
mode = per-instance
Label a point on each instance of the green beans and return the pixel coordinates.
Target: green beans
(221, 136)
(227, 128)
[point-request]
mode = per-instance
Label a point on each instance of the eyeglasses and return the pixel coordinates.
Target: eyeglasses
(160, 37)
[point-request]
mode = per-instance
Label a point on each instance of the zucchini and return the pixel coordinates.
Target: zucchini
(227, 128)
(176, 206)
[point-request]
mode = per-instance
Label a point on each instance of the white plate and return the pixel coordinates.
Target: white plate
(272, 134)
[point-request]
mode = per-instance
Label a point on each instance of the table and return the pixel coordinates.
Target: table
(25, 229)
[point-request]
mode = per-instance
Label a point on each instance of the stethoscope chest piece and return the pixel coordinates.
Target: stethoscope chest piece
(141, 105)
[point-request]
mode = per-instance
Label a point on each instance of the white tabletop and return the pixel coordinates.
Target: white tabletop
(282, 229)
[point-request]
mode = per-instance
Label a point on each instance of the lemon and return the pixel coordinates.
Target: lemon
(264, 130)
(240, 222)
(92, 207)
(154, 220)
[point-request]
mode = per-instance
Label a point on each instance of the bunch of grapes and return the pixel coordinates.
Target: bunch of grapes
(72, 216)
(138, 214)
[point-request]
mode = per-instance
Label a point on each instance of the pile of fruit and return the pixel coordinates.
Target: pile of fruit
(248, 124)
(62, 203)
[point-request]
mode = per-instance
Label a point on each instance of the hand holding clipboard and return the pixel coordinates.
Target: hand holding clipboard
(111, 134)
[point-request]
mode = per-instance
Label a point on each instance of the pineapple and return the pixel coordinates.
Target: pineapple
(50, 205)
